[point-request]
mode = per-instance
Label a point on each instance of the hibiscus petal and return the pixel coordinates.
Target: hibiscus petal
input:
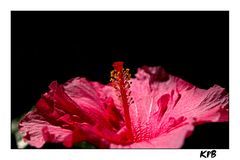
(165, 103)
(83, 93)
(96, 101)
(203, 105)
(38, 131)
(76, 107)
(173, 139)
(150, 85)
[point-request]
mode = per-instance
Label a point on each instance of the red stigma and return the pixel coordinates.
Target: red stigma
(118, 66)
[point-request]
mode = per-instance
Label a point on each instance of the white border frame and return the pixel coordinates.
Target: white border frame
(167, 154)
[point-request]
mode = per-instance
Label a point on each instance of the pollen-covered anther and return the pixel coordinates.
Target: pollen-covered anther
(126, 74)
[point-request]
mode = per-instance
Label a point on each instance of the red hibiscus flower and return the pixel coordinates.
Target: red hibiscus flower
(153, 110)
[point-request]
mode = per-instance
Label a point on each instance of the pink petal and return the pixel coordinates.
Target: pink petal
(173, 139)
(38, 131)
(77, 109)
(163, 103)
(94, 101)
(203, 105)
(83, 93)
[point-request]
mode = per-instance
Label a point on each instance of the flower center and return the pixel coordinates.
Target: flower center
(120, 81)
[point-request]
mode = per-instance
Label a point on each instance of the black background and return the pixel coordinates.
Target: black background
(47, 46)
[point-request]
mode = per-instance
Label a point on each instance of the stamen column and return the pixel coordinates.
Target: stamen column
(120, 81)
